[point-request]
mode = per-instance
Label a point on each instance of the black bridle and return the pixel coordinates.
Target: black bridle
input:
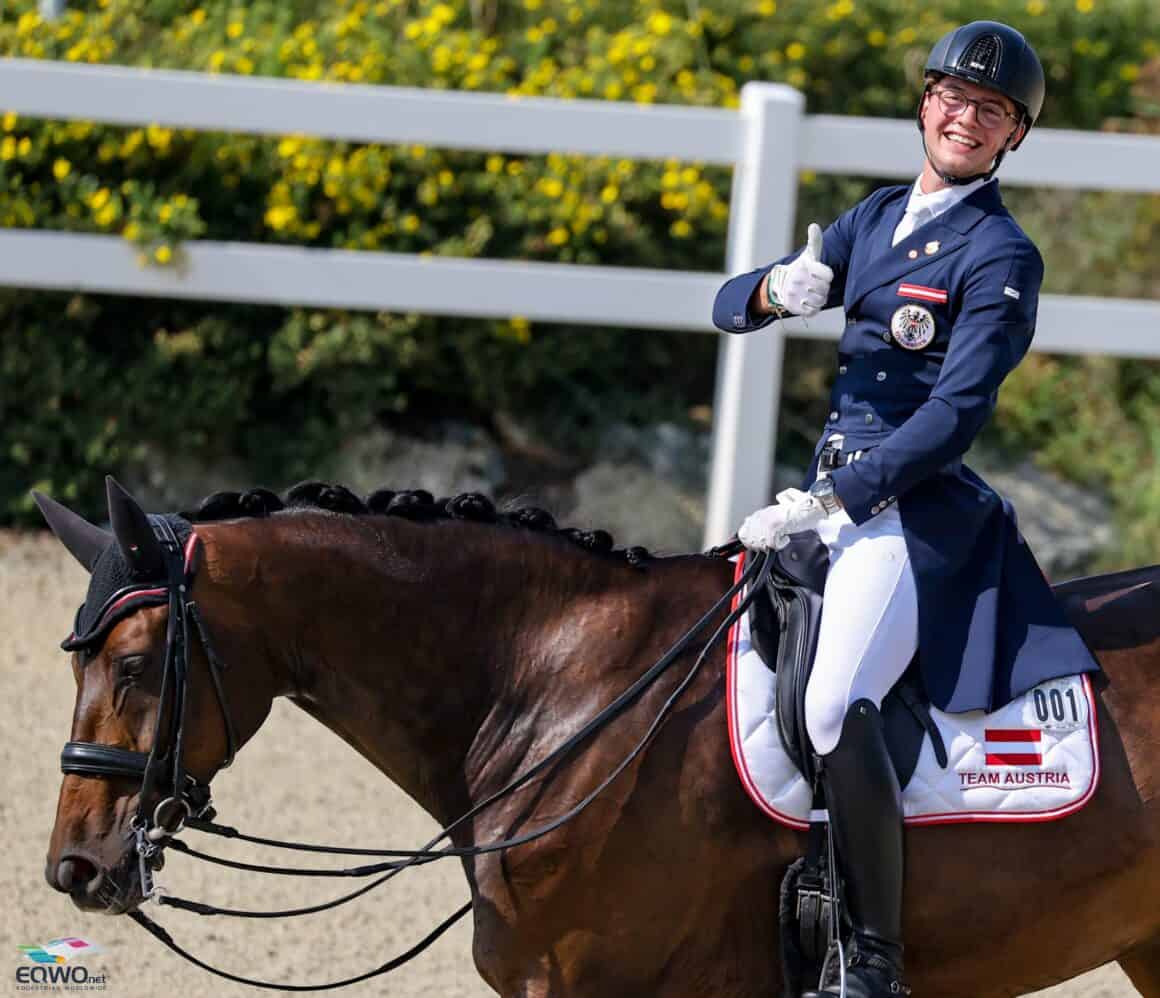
(183, 801)
(178, 794)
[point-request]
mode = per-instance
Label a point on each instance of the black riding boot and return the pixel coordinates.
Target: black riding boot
(865, 806)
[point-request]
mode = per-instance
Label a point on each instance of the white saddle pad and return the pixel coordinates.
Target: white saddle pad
(1037, 759)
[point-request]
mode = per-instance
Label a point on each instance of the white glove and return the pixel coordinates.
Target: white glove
(804, 285)
(770, 527)
(762, 528)
(804, 513)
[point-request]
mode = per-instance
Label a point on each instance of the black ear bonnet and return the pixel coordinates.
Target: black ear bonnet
(116, 590)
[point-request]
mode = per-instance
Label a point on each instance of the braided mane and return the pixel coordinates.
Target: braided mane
(414, 504)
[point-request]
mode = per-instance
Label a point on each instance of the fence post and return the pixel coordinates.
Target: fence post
(761, 213)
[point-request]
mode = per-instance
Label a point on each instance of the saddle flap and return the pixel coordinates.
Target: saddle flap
(906, 722)
(784, 627)
(801, 615)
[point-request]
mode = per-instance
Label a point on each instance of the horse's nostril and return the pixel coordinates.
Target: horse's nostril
(75, 873)
(66, 875)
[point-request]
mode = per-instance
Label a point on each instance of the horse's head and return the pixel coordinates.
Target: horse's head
(151, 725)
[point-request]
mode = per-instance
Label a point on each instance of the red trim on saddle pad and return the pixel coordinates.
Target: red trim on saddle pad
(739, 762)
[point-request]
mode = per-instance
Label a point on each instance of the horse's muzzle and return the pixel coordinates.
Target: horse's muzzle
(91, 886)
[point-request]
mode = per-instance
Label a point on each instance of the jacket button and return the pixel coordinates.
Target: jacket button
(842, 369)
(880, 376)
(834, 416)
(869, 417)
(886, 335)
(875, 509)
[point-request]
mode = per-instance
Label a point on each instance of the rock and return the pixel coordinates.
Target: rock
(520, 439)
(459, 458)
(1065, 526)
(638, 507)
(172, 481)
(671, 452)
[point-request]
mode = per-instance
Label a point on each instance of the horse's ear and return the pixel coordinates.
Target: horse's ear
(133, 531)
(84, 541)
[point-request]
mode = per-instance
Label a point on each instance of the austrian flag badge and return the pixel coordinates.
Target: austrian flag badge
(920, 291)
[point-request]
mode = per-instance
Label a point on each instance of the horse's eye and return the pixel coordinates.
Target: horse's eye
(131, 666)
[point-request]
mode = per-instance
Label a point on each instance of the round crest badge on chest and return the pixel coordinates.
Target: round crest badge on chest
(912, 327)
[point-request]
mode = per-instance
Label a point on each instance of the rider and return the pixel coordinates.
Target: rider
(940, 288)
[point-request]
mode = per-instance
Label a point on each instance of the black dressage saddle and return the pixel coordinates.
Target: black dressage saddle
(783, 625)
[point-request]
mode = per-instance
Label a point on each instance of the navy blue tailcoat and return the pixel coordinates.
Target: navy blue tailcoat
(933, 326)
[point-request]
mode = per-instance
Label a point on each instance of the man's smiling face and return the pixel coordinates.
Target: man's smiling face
(961, 145)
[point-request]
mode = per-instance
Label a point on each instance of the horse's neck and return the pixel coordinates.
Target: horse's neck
(425, 647)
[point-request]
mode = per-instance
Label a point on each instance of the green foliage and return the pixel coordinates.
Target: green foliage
(1094, 420)
(88, 380)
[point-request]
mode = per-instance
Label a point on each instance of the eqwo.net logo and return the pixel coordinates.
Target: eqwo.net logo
(60, 950)
(52, 970)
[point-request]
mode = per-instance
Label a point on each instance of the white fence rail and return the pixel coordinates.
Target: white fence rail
(768, 142)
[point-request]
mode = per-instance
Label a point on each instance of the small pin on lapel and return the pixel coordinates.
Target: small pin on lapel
(931, 248)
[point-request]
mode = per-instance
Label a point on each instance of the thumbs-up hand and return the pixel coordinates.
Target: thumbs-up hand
(814, 241)
(804, 285)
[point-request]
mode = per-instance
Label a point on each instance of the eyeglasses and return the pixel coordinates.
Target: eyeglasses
(988, 113)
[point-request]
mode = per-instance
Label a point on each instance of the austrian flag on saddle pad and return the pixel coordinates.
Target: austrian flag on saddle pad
(1036, 759)
(1013, 746)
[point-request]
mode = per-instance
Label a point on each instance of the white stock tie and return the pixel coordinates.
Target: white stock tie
(911, 220)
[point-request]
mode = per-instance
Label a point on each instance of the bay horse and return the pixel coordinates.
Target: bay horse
(454, 647)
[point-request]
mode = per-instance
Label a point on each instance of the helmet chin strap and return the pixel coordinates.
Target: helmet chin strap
(949, 178)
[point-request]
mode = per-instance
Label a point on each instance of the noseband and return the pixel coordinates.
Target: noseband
(178, 794)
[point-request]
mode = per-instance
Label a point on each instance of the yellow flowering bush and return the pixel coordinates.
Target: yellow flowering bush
(245, 374)
(850, 56)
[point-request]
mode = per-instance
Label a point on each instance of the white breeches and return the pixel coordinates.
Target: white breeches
(869, 627)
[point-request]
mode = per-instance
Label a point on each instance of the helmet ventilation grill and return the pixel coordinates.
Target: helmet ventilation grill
(983, 56)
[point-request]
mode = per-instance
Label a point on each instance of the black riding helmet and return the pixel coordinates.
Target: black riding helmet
(992, 55)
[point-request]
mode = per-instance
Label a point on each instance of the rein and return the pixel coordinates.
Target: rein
(189, 803)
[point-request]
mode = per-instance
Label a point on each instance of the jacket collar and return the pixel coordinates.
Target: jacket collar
(942, 200)
(930, 242)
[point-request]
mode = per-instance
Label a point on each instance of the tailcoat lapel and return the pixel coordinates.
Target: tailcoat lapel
(949, 231)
